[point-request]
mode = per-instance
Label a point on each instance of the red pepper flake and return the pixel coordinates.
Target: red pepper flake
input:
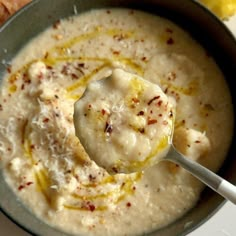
(159, 103)
(128, 204)
(0, 107)
(9, 69)
(135, 100)
(45, 120)
(25, 76)
(74, 76)
(183, 121)
(108, 128)
(22, 86)
(153, 99)
(56, 24)
(166, 91)
(81, 64)
(91, 207)
(151, 122)
(134, 188)
(29, 183)
(170, 41)
(114, 169)
(89, 106)
(65, 70)
(160, 115)
(32, 146)
(116, 52)
(144, 58)
(141, 130)
(21, 187)
(91, 177)
(26, 79)
(141, 113)
(171, 114)
(103, 112)
(197, 141)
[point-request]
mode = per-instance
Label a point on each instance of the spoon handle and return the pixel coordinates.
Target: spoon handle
(214, 181)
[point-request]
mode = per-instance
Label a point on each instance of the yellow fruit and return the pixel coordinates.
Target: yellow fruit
(222, 8)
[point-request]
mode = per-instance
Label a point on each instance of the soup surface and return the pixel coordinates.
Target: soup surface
(44, 162)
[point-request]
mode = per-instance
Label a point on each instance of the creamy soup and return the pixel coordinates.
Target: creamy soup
(43, 160)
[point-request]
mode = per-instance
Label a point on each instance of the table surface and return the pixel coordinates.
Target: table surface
(221, 224)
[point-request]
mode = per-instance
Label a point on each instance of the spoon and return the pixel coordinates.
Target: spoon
(137, 133)
(214, 181)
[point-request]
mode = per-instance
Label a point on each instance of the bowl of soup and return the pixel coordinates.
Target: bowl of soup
(51, 51)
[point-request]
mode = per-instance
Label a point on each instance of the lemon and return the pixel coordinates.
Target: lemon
(222, 8)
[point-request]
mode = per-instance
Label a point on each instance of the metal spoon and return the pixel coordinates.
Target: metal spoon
(214, 181)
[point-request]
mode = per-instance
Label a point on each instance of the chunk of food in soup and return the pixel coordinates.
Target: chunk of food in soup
(124, 122)
(46, 165)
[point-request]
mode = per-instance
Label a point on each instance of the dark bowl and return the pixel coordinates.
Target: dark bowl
(194, 18)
